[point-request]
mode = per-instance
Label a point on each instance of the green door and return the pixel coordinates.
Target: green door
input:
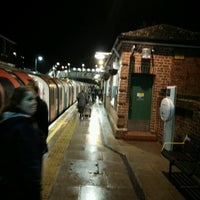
(140, 102)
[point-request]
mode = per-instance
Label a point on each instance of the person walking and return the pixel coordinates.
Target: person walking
(82, 99)
(21, 147)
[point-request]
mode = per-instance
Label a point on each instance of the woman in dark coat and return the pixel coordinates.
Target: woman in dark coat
(41, 116)
(82, 99)
(21, 148)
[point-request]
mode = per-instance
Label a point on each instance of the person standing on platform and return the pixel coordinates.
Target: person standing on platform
(93, 92)
(21, 148)
(82, 99)
(41, 115)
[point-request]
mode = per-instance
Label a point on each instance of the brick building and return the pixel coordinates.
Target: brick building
(141, 65)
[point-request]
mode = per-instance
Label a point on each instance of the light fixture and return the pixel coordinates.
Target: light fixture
(146, 53)
(101, 55)
(113, 71)
(38, 58)
(133, 48)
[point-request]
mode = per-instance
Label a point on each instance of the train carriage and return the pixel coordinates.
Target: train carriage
(48, 92)
(59, 94)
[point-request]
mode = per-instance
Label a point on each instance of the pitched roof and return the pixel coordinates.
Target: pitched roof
(163, 33)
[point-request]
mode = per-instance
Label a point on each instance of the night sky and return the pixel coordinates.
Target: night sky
(72, 31)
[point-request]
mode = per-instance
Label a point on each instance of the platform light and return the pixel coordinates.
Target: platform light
(38, 58)
(101, 55)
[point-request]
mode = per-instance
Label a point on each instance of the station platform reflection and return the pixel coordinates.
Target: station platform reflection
(86, 162)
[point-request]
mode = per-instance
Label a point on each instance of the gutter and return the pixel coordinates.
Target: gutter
(162, 44)
(119, 41)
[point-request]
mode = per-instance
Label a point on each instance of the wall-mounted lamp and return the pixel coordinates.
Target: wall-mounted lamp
(146, 53)
(134, 48)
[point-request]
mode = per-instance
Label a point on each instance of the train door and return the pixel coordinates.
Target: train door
(66, 94)
(11, 77)
(60, 95)
(51, 93)
(7, 84)
(5, 87)
(70, 93)
(25, 78)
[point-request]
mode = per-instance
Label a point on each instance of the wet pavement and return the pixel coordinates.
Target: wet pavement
(86, 162)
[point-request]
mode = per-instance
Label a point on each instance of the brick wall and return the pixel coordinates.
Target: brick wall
(169, 69)
(184, 73)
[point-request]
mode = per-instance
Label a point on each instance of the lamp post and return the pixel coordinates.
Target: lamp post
(68, 65)
(101, 57)
(38, 58)
(82, 69)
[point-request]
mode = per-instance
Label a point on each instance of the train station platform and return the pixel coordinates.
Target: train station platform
(86, 162)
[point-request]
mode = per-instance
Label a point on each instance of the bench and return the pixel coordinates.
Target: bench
(185, 156)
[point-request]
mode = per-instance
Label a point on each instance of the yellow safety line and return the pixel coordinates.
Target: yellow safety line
(52, 162)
